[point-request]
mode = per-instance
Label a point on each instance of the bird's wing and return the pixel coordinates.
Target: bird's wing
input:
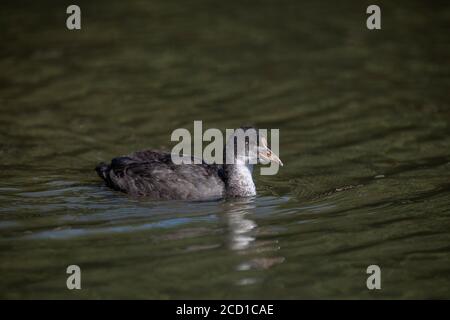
(153, 174)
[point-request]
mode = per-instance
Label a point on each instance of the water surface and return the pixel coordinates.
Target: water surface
(365, 139)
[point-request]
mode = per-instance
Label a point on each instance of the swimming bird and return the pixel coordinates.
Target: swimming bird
(153, 174)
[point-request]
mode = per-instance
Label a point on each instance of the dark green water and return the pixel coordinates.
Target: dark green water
(364, 121)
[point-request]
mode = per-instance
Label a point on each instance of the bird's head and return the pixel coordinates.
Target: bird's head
(247, 145)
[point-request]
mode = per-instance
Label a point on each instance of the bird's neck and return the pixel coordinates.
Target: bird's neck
(239, 180)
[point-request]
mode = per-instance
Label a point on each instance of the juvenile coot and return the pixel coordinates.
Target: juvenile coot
(153, 174)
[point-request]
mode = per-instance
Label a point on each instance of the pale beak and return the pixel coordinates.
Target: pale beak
(266, 154)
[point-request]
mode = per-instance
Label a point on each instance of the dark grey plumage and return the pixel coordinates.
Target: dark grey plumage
(153, 174)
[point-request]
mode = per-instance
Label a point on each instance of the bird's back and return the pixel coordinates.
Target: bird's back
(154, 175)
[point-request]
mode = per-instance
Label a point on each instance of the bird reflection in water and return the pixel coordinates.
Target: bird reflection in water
(242, 239)
(240, 227)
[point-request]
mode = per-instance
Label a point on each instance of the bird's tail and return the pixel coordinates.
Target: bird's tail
(102, 170)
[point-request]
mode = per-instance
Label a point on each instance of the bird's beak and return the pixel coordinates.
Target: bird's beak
(266, 154)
